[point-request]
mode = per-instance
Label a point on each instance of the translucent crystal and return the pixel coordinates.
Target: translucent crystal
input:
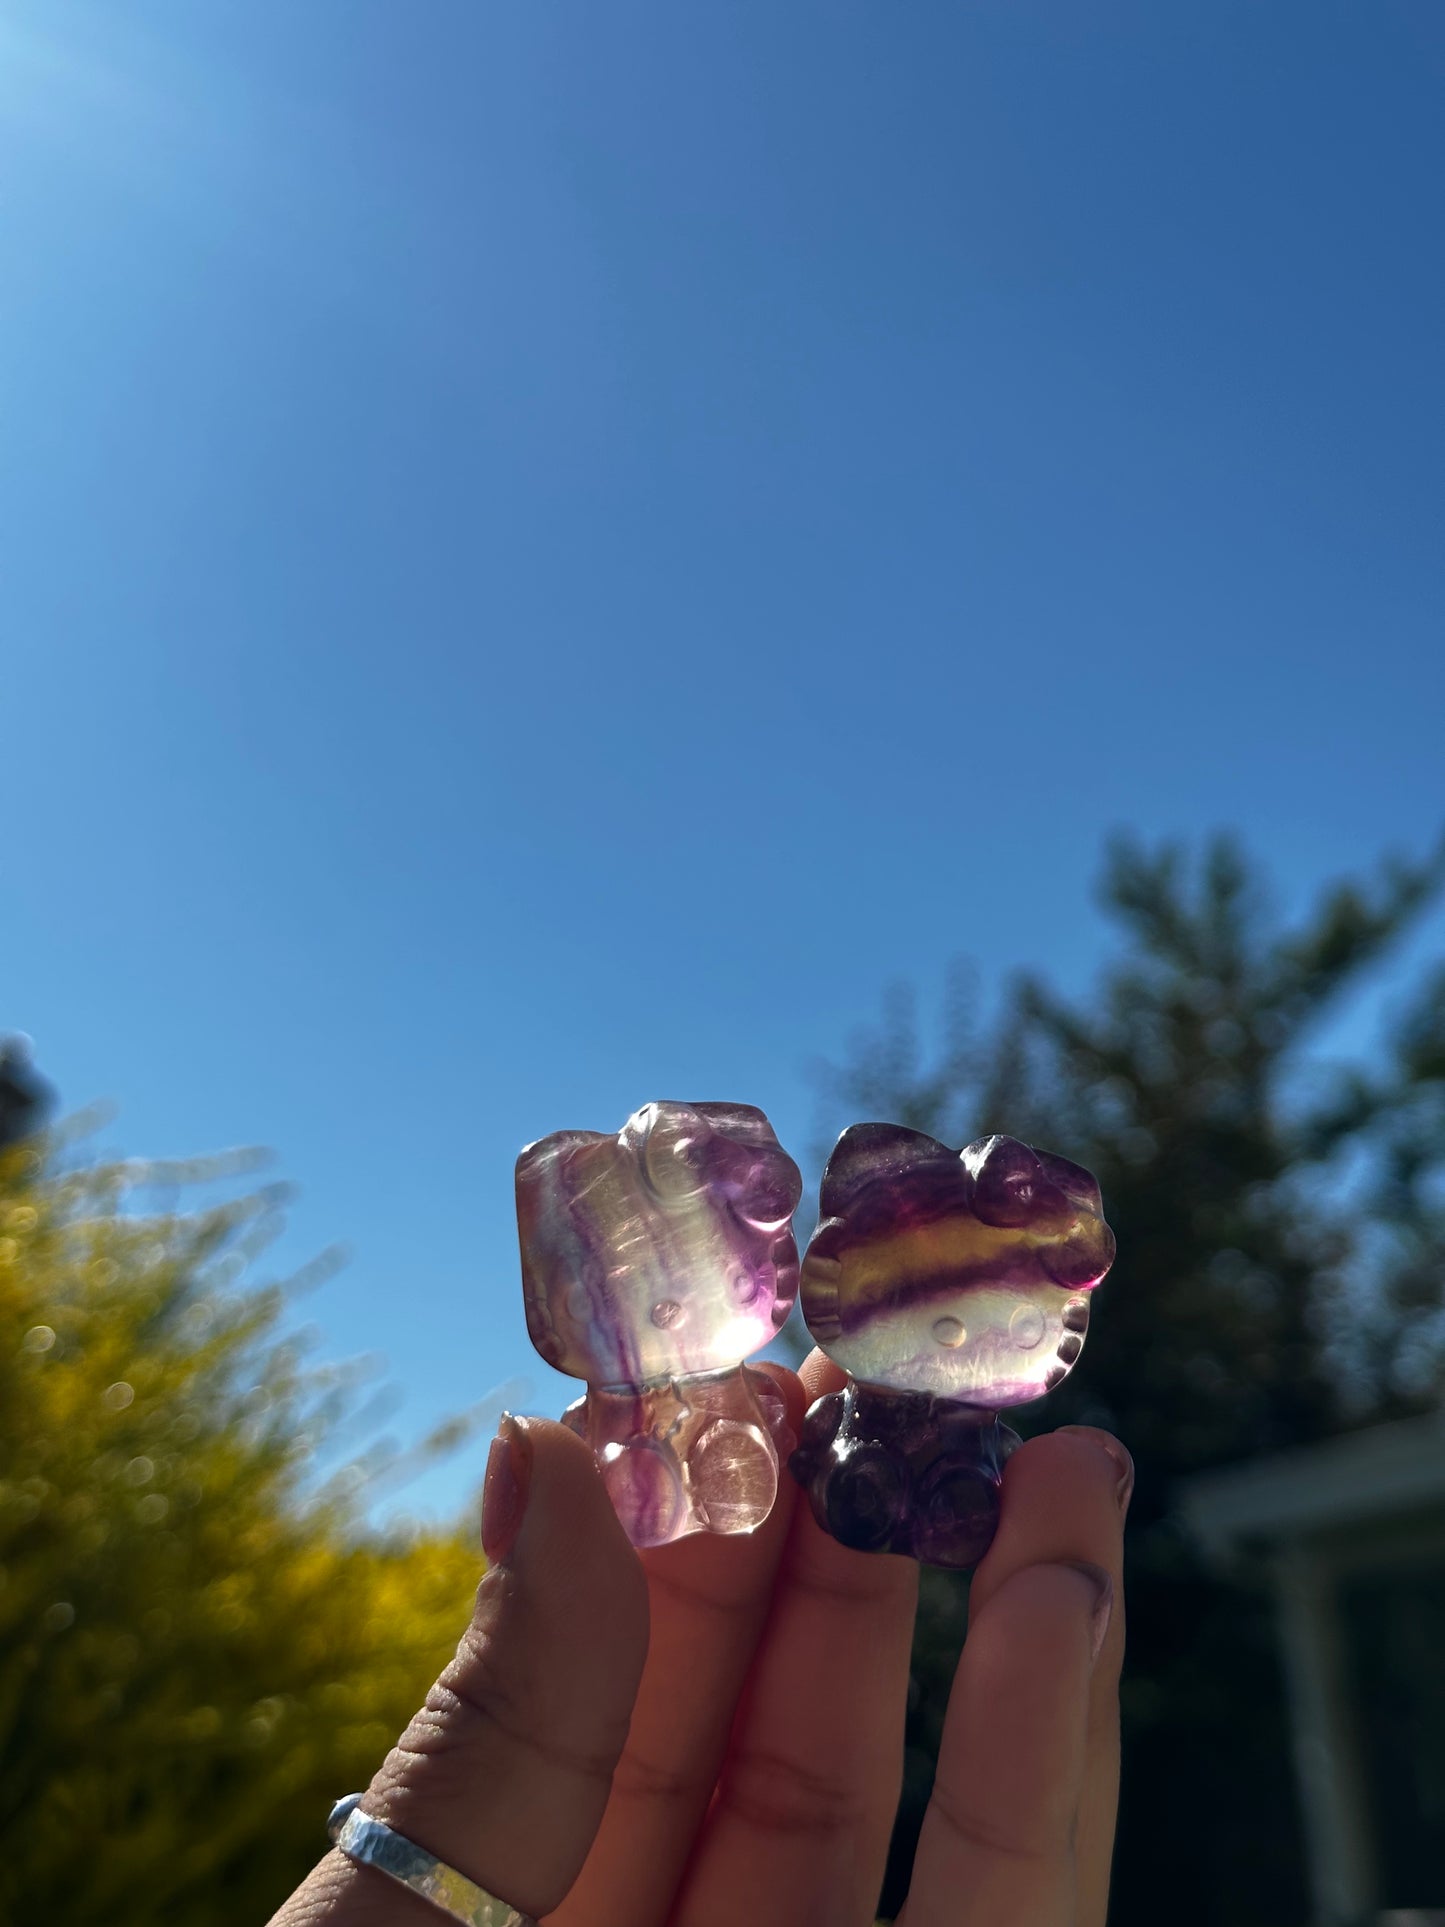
(653, 1262)
(903, 1472)
(691, 1454)
(947, 1284)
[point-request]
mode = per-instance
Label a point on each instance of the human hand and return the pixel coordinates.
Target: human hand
(710, 1734)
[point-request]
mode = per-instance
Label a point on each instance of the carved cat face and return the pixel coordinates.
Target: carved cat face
(666, 1249)
(965, 1274)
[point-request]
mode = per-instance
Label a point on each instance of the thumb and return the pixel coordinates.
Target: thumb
(505, 1771)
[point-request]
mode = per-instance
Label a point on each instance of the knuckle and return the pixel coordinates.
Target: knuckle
(639, 1778)
(1044, 1847)
(483, 1715)
(783, 1794)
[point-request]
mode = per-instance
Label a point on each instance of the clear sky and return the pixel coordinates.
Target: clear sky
(550, 550)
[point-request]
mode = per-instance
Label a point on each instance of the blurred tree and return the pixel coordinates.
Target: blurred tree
(1281, 1276)
(201, 1644)
(24, 1098)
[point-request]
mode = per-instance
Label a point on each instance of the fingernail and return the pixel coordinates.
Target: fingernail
(1110, 1446)
(504, 1490)
(1103, 1609)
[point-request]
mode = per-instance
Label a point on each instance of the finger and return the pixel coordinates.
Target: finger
(505, 1772)
(1065, 1496)
(709, 1597)
(1099, 1806)
(799, 1828)
(997, 1845)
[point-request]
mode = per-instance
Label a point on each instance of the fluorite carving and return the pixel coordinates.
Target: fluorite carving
(653, 1263)
(949, 1285)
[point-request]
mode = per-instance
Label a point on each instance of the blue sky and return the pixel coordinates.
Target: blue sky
(550, 551)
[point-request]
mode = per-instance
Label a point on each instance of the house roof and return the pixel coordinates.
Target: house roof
(1370, 1475)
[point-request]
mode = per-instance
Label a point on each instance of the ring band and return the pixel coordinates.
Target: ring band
(371, 1843)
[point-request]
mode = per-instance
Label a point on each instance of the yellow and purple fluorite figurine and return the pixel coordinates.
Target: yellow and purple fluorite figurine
(653, 1262)
(948, 1285)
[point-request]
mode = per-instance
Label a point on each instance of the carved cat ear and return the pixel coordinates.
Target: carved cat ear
(867, 1153)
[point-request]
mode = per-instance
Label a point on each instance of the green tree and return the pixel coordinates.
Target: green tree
(24, 1098)
(1281, 1277)
(201, 1642)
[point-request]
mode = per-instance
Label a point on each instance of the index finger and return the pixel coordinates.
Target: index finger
(709, 1599)
(805, 1802)
(504, 1773)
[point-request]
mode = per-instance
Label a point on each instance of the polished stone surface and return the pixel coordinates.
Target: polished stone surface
(962, 1274)
(654, 1260)
(903, 1472)
(948, 1285)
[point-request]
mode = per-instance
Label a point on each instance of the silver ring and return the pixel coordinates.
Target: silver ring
(372, 1843)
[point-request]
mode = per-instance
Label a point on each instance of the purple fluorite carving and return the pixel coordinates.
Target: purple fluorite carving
(947, 1284)
(653, 1262)
(902, 1472)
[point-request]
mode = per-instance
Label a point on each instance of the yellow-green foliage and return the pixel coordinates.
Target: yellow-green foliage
(200, 1647)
